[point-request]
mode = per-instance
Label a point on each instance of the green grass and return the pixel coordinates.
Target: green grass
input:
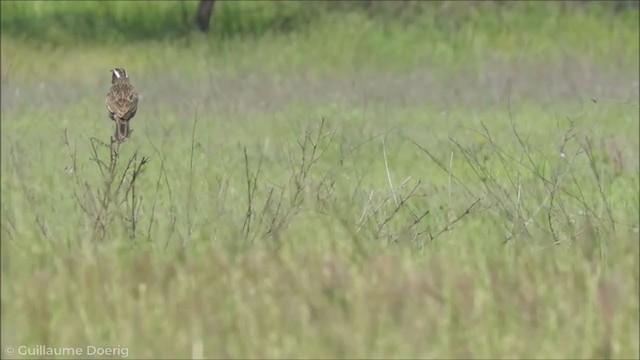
(472, 191)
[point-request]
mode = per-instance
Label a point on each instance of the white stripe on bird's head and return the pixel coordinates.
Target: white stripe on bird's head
(120, 72)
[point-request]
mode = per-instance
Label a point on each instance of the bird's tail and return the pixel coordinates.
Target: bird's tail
(122, 130)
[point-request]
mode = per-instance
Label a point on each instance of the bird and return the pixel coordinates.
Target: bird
(121, 103)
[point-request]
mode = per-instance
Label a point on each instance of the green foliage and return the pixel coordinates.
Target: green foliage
(69, 22)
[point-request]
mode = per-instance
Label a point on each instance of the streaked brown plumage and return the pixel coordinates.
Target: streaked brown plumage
(121, 103)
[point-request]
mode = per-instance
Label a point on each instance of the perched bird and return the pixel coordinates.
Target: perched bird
(122, 103)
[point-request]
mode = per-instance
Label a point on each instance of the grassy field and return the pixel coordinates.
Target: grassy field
(459, 180)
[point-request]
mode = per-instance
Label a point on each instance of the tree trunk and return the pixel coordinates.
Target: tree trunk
(203, 16)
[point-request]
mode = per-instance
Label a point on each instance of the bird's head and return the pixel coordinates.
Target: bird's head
(119, 75)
